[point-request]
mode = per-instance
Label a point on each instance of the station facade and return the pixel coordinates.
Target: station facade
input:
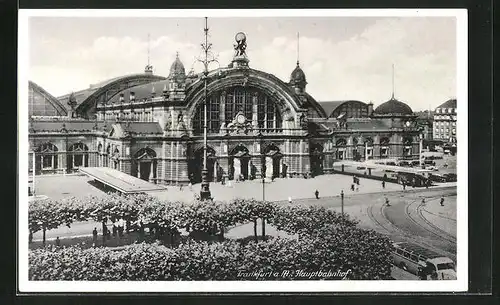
(258, 125)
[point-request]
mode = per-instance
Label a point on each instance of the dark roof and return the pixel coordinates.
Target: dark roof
(393, 106)
(330, 106)
(372, 124)
(452, 103)
(177, 68)
(142, 127)
(141, 91)
(82, 95)
(57, 126)
(297, 75)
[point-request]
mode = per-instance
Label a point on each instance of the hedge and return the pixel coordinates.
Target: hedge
(211, 217)
(348, 253)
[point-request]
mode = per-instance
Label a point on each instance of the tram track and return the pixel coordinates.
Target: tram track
(431, 228)
(380, 219)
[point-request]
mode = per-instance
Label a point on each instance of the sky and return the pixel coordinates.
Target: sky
(342, 57)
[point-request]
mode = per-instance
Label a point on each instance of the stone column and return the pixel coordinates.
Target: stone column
(222, 108)
(237, 168)
(255, 110)
(151, 172)
(269, 167)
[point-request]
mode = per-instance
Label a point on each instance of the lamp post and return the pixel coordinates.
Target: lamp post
(205, 185)
(420, 148)
(342, 204)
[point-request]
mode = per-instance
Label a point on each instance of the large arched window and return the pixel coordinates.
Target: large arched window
(351, 109)
(47, 156)
(224, 105)
(78, 156)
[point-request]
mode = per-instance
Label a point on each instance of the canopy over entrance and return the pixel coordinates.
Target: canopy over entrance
(120, 181)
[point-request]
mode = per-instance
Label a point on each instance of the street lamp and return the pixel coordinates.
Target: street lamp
(205, 185)
(420, 148)
(342, 205)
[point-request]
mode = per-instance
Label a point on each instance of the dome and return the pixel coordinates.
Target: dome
(298, 76)
(393, 106)
(177, 68)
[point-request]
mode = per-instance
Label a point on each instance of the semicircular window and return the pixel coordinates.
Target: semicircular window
(224, 105)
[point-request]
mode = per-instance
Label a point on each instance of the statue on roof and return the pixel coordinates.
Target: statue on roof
(241, 44)
(72, 104)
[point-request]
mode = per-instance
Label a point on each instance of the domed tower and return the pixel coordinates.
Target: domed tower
(177, 78)
(298, 77)
(394, 107)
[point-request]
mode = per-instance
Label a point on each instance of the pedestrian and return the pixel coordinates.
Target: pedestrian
(180, 187)
(354, 179)
(383, 184)
(385, 177)
(94, 237)
(115, 228)
(423, 201)
(352, 187)
(316, 194)
(404, 185)
(387, 202)
(58, 241)
(357, 181)
(120, 227)
(442, 201)
(289, 199)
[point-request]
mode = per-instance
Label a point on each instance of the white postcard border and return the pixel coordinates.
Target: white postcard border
(460, 284)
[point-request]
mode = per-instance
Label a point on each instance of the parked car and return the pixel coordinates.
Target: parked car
(450, 177)
(423, 262)
(437, 178)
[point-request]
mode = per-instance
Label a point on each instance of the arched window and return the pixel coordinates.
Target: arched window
(341, 142)
(78, 155)
(384, 147)
(48, 155)
(351, 109)
(407, 149)
(341, 148)
(237, 99)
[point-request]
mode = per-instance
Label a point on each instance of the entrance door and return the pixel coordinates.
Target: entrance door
(238, 162)
(144, 170)
(239, 166)
(195, 165)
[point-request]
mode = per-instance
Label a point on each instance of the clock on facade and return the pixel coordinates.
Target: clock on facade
(240, 118)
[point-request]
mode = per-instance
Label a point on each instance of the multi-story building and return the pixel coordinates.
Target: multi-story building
(257, 125)
(445, 122)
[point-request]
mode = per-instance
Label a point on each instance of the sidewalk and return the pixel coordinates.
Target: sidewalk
(296, 188)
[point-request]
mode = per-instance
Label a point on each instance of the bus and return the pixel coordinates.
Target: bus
(423, 262)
